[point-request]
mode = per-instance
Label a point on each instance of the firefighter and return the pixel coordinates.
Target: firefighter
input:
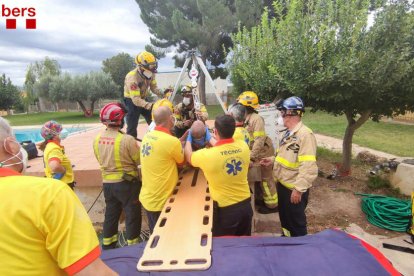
(261, 146)
(118, 157)
(294, 168)
(57, 164)
(186, 112)
(225, 167)
(137, 83)
(160, 154)
(238, 112)
(45, 228)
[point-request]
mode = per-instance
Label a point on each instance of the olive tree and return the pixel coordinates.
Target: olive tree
(343, 57)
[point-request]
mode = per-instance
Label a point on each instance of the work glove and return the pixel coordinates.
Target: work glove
(208, 135)
(189, 137)
(58, 176)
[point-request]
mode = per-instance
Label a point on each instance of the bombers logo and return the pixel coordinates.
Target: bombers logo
(233, 166)
(11, 14)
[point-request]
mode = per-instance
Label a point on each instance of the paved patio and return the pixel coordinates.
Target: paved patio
(79, 149)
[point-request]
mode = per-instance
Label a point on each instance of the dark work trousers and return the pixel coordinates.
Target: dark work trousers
(122, 195)
(233, 220)
(132, 117)
(292, 216)
(152, 219)
(72, 185)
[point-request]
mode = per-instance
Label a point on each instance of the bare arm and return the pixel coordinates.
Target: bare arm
(212, 141)
(56, 167)
(188, 151)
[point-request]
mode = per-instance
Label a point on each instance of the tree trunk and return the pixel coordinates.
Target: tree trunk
(82, 106)
(347, 150)
(202, 84)
(92, 108)
(42, 107)
(352, 126)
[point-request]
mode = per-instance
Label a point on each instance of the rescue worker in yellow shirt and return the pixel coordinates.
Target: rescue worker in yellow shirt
(261, 146)
(137, 83)
(187, 113)
(45, 228)
(238, 112)
(57, 164)
(161, 152)
(118, 157)
(225, 167)
(294, 168)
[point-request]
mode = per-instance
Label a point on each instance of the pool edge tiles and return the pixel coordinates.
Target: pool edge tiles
(33, 134)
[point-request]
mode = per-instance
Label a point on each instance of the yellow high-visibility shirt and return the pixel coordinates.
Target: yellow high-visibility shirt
(225, 167)
(240, 133)
(160, 154)
(45, 228)
(56, 152)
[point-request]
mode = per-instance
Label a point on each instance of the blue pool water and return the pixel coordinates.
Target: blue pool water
(33, 134)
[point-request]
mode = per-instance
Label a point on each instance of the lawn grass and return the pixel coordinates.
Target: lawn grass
(213, 111)
(393, 138)
(390, 137)
(42, 117)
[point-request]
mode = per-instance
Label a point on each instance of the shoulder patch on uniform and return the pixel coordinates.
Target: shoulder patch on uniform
(134, 86)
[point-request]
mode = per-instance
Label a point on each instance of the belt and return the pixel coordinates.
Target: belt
(233, 206)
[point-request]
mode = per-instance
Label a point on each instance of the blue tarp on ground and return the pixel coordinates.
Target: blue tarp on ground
(330, 252)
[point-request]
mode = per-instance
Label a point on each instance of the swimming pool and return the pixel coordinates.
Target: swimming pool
(33, 134)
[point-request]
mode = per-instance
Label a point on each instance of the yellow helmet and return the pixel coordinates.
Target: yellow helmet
(162, 102)
(147, 61)
(186, 89)
(249, 98)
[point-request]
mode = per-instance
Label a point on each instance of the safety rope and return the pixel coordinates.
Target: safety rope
(387, 212)
(96, 199)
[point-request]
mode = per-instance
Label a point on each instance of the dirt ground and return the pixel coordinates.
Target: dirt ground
(333, 203)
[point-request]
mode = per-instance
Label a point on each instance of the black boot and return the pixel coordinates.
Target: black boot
(259, 203)
(267, 210)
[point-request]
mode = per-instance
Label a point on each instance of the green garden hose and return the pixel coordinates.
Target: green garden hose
(387, 212)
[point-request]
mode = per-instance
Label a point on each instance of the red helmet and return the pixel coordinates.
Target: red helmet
(112, 114)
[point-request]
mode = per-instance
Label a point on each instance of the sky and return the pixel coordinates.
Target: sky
(79, 34)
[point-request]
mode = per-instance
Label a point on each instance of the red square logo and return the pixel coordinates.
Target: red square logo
(30, 23)
(10, 23)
